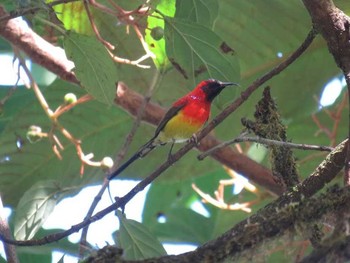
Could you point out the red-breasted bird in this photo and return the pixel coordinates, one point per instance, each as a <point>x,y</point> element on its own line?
<point>186,117</point>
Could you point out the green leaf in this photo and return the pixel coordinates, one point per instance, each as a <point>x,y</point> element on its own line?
<point>74,17</point>
<point>10,108</point>
<point>93,66</point>
<point>257,152</point>
<point>184,225</point>
<point>199,53</point>
<point>137,241</point>
<point>34,207</point>
<point>35,257</point>
<point>201,12</point>
<point>158,46</point>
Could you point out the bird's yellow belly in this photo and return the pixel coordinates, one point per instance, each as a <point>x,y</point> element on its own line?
<point>179,129</point>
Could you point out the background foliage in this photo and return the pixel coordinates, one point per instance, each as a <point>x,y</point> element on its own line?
<point>260,34</point>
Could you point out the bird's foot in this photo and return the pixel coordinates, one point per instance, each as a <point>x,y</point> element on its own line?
<point>194,139</point>
<point>170,155</point>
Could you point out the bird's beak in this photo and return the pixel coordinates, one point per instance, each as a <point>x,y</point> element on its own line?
<point>225,84</point>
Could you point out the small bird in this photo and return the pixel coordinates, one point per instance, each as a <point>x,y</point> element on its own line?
<point>180,123</point>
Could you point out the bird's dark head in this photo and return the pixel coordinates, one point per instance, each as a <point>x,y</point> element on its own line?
<point>213,87</point>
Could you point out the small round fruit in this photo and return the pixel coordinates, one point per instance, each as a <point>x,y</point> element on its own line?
<point>70,98</point>
<point>157,33</point>
<point>107,162</point>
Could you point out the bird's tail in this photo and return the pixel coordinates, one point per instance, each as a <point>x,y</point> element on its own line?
<point>143,151</point>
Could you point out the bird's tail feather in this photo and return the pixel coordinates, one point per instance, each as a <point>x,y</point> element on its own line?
<point>143,151</point>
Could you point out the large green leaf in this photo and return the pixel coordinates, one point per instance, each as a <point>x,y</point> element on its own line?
<point>136,240</point>
<point>10,108</point>
<point>74,17</point>
<point>199,53</point>
<point>93,65</point>
<point>201,12</point>
<point>33,257</point>
<point>34,207</point>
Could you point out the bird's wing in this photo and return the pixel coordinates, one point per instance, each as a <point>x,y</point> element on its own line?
<point>169,115</point>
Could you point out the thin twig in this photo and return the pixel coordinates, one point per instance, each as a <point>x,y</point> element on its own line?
<point>221,203</point>
<point>64,108</point>
<point>335,116</point>
<point>10,250</point>
<point>131,62</point>
<point>266,142</point>
<point>94,27</point>
<point>34,85</point>
<point>102,7</point>
<point>347,160</point>
<point>149,53</point>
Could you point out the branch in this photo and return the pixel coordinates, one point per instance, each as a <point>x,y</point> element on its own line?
<point>334,25</point>
<point>336,251</point>
<point>267,142</point>
<point>271,221</point>
<point>10,250</point>
<point>39,50</point>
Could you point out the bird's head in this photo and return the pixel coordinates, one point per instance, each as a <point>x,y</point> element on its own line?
<point>213,87</point>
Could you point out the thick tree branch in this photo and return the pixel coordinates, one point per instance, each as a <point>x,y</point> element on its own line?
<point>334,25</point>
<point>38,49</point>
<point>10,250</point>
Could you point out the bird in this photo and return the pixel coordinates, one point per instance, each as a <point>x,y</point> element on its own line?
<point>180,123</point>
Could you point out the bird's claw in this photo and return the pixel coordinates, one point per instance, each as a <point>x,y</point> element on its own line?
<point>194,139</point>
